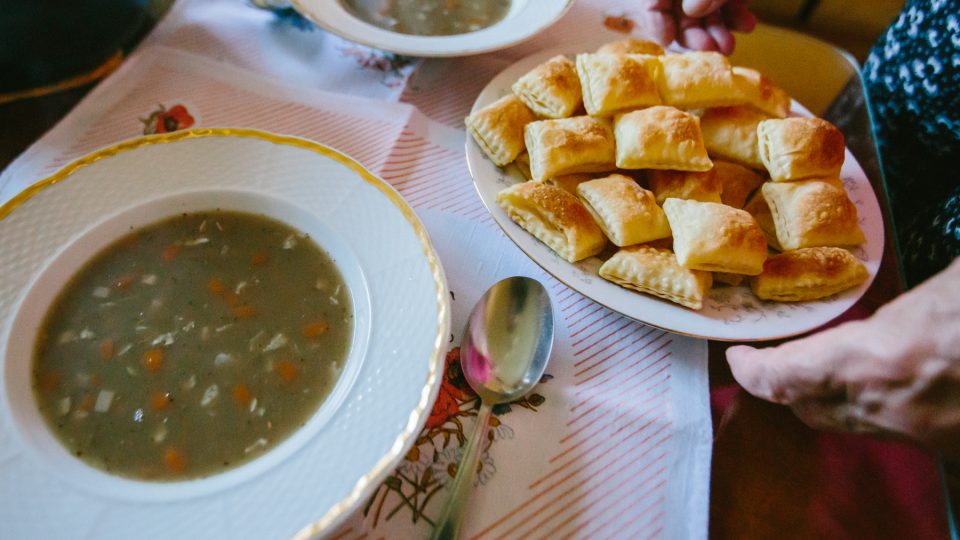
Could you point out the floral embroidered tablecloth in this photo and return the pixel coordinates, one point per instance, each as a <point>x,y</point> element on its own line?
<point>614,442</point>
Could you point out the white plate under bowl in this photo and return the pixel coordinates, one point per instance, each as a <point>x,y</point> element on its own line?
<point>309,482</point>
<point>729,313</point>
<point>525,19</point>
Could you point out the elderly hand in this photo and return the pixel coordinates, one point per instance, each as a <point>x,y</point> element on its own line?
<point>696,24</point>
<point>896,373</point>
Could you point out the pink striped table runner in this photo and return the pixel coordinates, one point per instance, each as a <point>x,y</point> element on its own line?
<point>615,442</point>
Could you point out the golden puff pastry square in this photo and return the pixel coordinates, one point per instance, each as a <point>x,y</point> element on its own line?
<point>761,93</point>
<point>730,133</point>
<point>758,208</point>
<point>808,274</point>
<point>581,144</point>
<point>569,182</point>
<point>737,182</point>
<point>555,217</point>
<point>798,148</point>
<point>656,271</point>
<point>697,186</point>
<point>715,237</point>
<point>631,46</point>
<point>812,213</point>
<point>498,128</point>
<point>660,138</point>
<point>698,80</point>
<point>615,83</point>
<point>627,213</point>
<point>552,89</point>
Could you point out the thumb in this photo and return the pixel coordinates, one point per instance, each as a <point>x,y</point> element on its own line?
<point>803,369</point>
<point>701,8</point>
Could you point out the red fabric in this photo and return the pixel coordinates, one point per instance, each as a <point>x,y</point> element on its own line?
<point>854,486</point>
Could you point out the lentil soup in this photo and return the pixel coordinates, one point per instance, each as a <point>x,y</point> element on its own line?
<point>192,345</point>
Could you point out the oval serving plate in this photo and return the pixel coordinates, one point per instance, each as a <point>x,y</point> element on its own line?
<point>729,313</point>
<point>524,20</point>
<point>307,483</point>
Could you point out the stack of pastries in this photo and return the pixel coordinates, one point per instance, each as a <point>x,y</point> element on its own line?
<point>689,166</point>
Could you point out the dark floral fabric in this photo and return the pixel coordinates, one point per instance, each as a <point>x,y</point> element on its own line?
<point>912,77</point>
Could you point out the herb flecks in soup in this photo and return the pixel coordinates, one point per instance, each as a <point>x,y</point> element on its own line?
<point>430,17</point>
<point>192,345</point>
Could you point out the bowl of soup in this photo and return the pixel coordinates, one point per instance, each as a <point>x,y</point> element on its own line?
<point>434,28</point>
<point>258,315</point>
<point>202,336</point>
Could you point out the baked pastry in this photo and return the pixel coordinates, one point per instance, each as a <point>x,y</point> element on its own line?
<point>656,271</point>
<point>812,213</point>
<point>570,145</point>
<point>698,80</point>
<point>808,274</point>
<point>631,46</point>
<point>726,278</point>
<point>615,83</point>
<point>730,133</point>
<point>798,148</point>
<point>554,217</point>
<point>715,237</point>
<point>627,213</point>
<point>697,186</point>
<point>758,208</point>
<point>737,182</point>
<point>760,92</point>
<point>569,182</point>
<point>660,138</point>
<point>552,89</point>
<point>498,128</point>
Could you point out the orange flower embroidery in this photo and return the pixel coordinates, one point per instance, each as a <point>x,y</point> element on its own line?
<point>165,120</point>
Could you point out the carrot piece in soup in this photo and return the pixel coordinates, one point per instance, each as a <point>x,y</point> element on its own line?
<point>125,281</point>
<point>287,370</point>
<point>244,311</point>
<point>315,329</point>
<point>153,360</point>
<point>87,403</point>
<point>258,258</point>
<point>170,252</point>
<point>241,395</point>
<point>159,401</point>
<point>107,348</point>
<point>174,460</point>
<point>215,286</point>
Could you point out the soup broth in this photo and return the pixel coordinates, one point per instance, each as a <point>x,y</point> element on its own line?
<point>430,17</point>
<point>192,345</point>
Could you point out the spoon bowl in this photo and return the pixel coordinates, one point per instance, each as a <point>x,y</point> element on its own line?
<point>508,340</point>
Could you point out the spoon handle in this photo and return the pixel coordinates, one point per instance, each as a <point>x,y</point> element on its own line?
<point>448,526</point>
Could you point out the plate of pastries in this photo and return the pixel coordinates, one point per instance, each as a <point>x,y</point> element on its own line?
<point>676,189</point>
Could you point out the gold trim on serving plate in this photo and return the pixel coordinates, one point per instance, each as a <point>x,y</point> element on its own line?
<point>418,416</point>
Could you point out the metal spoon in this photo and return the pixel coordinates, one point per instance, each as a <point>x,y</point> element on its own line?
<point>503,353</point>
